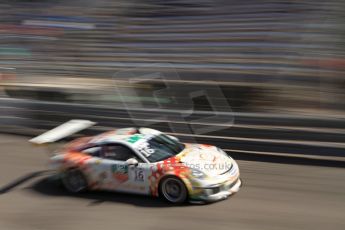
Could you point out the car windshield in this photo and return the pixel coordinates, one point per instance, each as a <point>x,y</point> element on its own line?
<point>161,147</point>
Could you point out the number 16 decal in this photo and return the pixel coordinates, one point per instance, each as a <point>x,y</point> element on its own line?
<point>139,175</point>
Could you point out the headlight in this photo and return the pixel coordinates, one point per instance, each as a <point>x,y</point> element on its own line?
<point>198,174</point>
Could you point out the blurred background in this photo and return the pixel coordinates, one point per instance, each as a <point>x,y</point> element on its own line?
<point>267,56</point>
<point>262,79</point>
<point>274,68</point>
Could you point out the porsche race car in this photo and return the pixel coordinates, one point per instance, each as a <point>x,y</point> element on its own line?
<point>142,161</point>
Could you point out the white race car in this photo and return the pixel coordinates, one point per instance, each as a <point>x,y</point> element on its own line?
<point>143,161</point>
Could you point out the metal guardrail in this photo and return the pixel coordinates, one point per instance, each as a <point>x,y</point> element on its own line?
<point>251,133</point>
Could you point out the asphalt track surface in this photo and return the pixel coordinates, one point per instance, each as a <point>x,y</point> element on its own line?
<point>274,196</point>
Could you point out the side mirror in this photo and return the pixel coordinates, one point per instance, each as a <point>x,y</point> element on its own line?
<point>132,161</point>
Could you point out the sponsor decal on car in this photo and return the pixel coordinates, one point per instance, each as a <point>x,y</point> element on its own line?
<point>120,172</point>
<point>145,149</point>
<point>134,138</point>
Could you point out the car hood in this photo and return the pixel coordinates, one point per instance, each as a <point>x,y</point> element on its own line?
<point>206,158</point>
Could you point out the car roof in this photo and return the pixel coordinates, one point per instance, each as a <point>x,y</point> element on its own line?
<point>129,135</point>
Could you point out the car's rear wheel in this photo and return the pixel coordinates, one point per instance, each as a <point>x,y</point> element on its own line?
<point>74,181</point>
<point>173,190</point>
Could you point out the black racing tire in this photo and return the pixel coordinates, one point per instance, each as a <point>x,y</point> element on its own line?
<point>74,181</point>
<point>173,190</point>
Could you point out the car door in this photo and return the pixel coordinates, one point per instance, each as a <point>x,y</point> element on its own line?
<point>120,175</point>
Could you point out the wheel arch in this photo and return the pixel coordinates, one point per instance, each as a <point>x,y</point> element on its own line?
<point>72,167</point>
<point>185,181</point>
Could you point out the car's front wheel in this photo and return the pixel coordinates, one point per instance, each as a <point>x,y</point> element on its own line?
<point>74,181</point>
<point>173,190</point>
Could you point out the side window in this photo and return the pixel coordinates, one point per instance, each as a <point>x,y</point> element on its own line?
<point>118,152</point>
<point>93,151</point>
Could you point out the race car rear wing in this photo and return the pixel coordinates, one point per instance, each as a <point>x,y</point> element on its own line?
<point>62,131</point>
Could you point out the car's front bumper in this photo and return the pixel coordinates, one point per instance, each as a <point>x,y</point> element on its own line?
<point>217,192</point>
